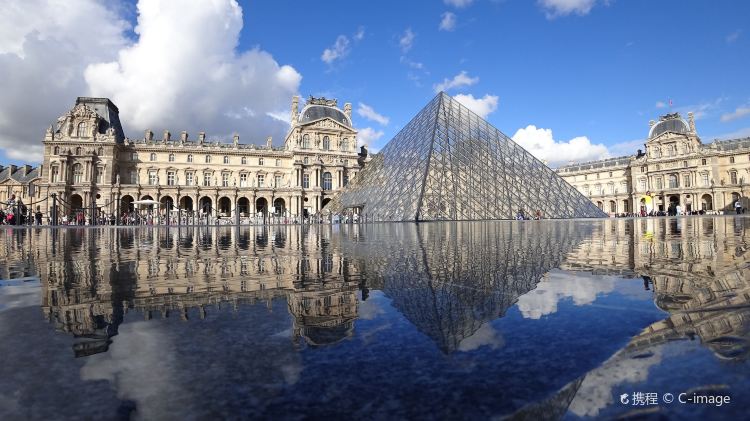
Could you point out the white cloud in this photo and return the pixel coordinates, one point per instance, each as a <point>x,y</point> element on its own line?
<point>195,80</point>
<point>458,3</point>
<point>44,48</point>
<point>733,36</point>
<point>368,136</point>
<point>448,21</point>
<point>557,8</point>
<point>486,335</point>
<point>540,143</point>
<point>458,81</point>
<point>369,113</point>
<point>738,113</point>
<point>481,106</point>
<point>557,286</point>
<point>337,51</point>
<point>660,104</point>
<point>407,40</point>
<point>360,34</point>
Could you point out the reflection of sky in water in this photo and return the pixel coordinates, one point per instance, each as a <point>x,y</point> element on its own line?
<point>388,321</point>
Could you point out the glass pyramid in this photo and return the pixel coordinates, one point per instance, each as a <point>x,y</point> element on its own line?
<point>448,163</point>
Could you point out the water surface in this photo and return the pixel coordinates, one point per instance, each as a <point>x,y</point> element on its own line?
<point>431,321</point>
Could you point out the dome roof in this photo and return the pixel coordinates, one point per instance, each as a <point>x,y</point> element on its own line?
<point>669,123</point>
<point>316,112</point>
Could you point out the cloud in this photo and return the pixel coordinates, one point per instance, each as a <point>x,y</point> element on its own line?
<point>557,8</point>
<point>413,64</point>
<point>360,34</point>
<point>458,81</point>
<point>559,285</point>
<point>738,113</point>
<point>703,109</point>
<point>733,36</point>
<point>407,40</point>
<point>484,336</point>
<point>368,136</point>
<point>660,104</point>
<point>458,3</point>
<point>337,51</point>
<point>369,113</point>
<point>194,80</point>
<point>482,106</point>
<point>540,143</point>
<point>45,46</point>
<point>448,22</point>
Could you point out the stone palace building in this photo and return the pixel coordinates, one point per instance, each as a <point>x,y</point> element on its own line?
<point>675,169</point>
<point>89,163</point>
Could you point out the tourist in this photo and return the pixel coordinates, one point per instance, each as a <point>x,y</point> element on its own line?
<point>38,215</point>
<point>738,207</point>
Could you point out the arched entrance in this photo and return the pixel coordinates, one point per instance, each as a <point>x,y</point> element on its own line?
<point>261,206</point>
<point>674,201</point>
<point>707,202</point>
<point>76,210</point>
<point>186,203</point>
<point>76,202</point>
<point>243,206</point>
<point>126,204</point>
<point>225,206</point>
<point>736,198</point>
<point>599,205</point>
<point>205,205</point>
<point>279,206</point>
<point>149,207</point>
<point>167,203</point>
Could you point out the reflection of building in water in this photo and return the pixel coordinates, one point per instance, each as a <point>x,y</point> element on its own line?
<point>91,278</point>
<point>450,279</point>
<point>697,267</point>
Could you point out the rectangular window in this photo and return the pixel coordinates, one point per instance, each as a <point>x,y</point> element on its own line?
<point>243,180</point>
<point>55,174</point>
<point>170,178</point>
<point>673,182</point>
<point>658,183</point>
<point>152,178</point>
<point>704,179</point>
<point>686,181</point>
<point>643,185</point>
<point>733,177</point>
<point>277,181</point>
<point>731,160</point>
<point>346,179</point>
<point>643,169</point>
<point>189,179</point>
<point>684,164</point>
<point>134,156</point>
<point>306,181</point>
<point>703,161</point>
<point>99,175</point>
<point>225,180</point>
<point>261,179</point>
<point>206,179</point>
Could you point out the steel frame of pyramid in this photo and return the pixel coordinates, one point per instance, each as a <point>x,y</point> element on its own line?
<point>448,163</point>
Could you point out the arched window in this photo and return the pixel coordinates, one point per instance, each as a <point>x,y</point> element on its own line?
<point>81,132</point>
<point>99,175</point>
<point>733,177</point>
<point>77,174</point>
<point>305,160</point>
<point>208,159</point>
<point>190,158</point>
<point>345,145</point>
<point>244,160</point>
<point>327,181</point>
<point>152,157</point>
<point>226,159</point>
<point>326,143</point>
<point>57,150</point>
<point>673,181</point>
<point>306,142</point>
<point>78,151</point>
<point>278,162</point>
<point>171,157</point>
<point>100,151</point>
<point>260,161</point>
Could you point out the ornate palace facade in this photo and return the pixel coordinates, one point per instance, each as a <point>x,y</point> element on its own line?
<point>89,163</point>
<point>676,169</point>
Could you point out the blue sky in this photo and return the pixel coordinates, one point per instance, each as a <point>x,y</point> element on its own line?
<point>587,75</point>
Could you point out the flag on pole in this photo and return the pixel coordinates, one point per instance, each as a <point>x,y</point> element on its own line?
<point>670,102</point>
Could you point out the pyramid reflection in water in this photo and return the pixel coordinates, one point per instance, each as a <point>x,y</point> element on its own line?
<point>450,164</point>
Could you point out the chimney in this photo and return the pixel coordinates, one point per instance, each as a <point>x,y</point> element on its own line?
<point>348,110</point>
<point>201,137</point>
<point>167,136</point>
<point>236,139</point>
<point>295,108</point>
<point>149,135</point>
<point>183,136</point>
<point>26,170</point>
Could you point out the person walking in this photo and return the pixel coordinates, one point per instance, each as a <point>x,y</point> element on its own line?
<point>738,207</point>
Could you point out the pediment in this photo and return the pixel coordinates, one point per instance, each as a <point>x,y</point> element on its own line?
<point>327,123</point>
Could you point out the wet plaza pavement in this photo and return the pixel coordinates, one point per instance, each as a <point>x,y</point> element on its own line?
<point>471,320</point>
